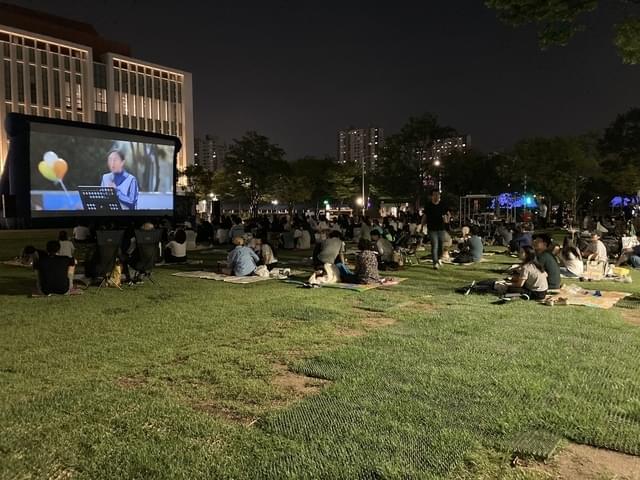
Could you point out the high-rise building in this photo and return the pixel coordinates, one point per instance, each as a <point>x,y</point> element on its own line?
<point>59,68</point>
<point>210,153</point>
<point>358,145</point>
<point>442,147</point>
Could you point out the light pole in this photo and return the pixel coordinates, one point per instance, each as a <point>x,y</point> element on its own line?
<point>364,199</point>
<point>438,163</point>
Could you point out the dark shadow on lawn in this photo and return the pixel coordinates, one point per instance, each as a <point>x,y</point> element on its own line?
<point>20,286</point>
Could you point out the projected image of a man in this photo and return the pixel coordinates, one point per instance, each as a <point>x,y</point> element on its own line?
<point>126,185</point>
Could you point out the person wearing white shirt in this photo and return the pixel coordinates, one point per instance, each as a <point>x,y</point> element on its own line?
<point>66,247</point>
<point>596,248</point>
<point>81,233</point>
<point>176,249</point>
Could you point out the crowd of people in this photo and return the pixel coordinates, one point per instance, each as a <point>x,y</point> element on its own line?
<point>382,244</point>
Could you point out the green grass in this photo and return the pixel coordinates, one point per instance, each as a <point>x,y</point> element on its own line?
<point>176,380</point>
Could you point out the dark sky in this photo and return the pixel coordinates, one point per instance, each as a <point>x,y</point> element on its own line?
<point>298,73</point>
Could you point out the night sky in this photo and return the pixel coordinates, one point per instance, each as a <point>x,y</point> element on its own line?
<point>298,73</point>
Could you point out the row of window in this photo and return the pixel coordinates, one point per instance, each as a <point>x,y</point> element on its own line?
<point>43,111</point>
<point>149,71</point>
<point>40,92</point>
<point>152,87</point>
<point>30,43</point>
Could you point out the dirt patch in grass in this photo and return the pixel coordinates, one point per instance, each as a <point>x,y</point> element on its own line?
<point>224,413</point>
<point>296,384</point>
<point>349,332</point>
<point>588,463</point>
<point>378,322</point>
<point>131,382</point>
<point>632,317</point>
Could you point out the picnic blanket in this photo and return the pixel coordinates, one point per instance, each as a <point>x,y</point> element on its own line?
<point>574,295</point>
<point>229,278</point>
<point>219,276</point>
<point>356,287</point>
<point>17,263</point>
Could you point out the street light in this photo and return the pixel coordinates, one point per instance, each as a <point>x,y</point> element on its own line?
<point>360,201</point>
<point>438,163</point>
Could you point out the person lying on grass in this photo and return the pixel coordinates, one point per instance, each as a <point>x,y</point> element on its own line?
<point>242,261</point>
<point>530,278</point>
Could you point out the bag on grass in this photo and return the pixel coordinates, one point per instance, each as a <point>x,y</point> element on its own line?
<point>595,269</point>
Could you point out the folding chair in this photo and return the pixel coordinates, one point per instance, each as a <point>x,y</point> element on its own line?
<point>108,245</point>
<point>147,245</point>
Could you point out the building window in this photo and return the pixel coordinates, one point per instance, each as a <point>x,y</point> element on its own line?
<point>21,82</point>
<point>67,90</point>
<point>32,84</point>
<point>125,105</point>
<point>101,100</point>
<point>99,75</point>
<point>56,89</point>
<point>44,75</point>
<point>7,80</point>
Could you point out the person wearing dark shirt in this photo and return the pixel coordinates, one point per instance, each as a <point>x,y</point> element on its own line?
<point>436,216</point>
<point>520,239</point>
<point>55,272</point>
<point>545,258</point>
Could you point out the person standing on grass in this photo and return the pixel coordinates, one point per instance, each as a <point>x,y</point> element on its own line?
<point>436,216</point>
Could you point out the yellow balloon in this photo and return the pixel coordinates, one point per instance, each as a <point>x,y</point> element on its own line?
<point>60,168</point>
<point>46,171</point>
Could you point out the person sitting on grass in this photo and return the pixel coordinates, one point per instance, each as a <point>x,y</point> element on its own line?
<point>596,248</point>
<point>630,256</point>
<point>176,249</point>
<point>383,247</point>
<point>541,245</point>
<point>242,261</point>
<point>571,260</point>
<point>530,278</point>
<point>366,271</point>
<point>54,272</point>
<point>237,230</point>
<point>521,238</point>
<point>330,250</point>
<point>471,249</point>
<point>265,252</point>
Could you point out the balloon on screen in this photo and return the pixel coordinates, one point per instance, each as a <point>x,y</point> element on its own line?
<point>50,157</point>
<point>46,171</point>
<point>60,168</point>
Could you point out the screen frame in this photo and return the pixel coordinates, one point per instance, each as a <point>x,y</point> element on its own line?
<point>21,125</point>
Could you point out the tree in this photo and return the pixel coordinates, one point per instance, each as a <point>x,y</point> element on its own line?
<point>472,172</point>
<point>563,168</point>
<point>345,182</point>
<point>316,171</point>
<point>252,162</point>
<point>620,149</point>
<point>202,182</point>
<point>559,20</point>
<point>403,168</point>
<point>290,189</point>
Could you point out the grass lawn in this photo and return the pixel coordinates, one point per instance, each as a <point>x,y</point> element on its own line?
<point>197,379</point>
